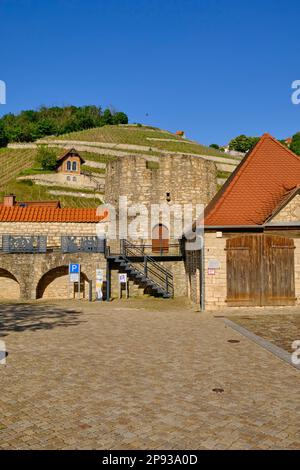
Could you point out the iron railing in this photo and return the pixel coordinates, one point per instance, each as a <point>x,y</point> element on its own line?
<point>38,244</point>
<point>172,249</point>
<point>87,244</point>
<point>149,267</point>
<point>24,244</point>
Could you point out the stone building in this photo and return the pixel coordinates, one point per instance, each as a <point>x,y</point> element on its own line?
<point>154,263</point>
<point>165,180</point>
<point>70,172</point>
<point>251,253</point>
<point>37,244</point>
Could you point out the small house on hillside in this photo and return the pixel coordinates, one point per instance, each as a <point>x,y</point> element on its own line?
<point>180,134</point>
<point>70,163</point>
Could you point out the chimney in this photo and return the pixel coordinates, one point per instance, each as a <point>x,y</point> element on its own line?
<point>9,200</point>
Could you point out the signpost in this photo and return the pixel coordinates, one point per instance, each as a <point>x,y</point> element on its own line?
<point>123,281</point>
<point>74,275</point>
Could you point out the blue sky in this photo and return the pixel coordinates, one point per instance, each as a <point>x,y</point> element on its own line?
<point>214,68</point>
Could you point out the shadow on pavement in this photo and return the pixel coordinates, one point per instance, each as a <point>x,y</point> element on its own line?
<point>24,317</point>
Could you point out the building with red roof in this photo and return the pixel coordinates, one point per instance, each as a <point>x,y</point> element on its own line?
<point>251,253</point>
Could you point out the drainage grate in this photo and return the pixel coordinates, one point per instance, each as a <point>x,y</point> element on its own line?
<point>218,390</point>
<point>233,341</point>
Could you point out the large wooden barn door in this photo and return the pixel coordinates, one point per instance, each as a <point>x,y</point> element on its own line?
<point>243,254</point>
<point>278,286</point>
<point>260,270</point>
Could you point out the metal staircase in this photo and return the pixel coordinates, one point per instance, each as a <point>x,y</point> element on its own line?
<point>143,269</point>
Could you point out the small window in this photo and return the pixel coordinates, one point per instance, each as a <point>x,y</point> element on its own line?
<point>74,178</point>
<point>68,165</point>
<point>68,178</point>
<point>150,165</point>
<point>74,166</point>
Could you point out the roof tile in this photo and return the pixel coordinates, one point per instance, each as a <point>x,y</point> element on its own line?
<point>257,186</point>
<point>49,214</point>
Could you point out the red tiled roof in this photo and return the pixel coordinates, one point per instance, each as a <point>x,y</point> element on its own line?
<point>259,184</point>
<point>49,214</point>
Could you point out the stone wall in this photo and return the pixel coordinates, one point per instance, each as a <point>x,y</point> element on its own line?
<point>79,181</point>
<point>215,289</point>
<point>46,275</point>
<point>9,289</point>
<point>290,212</point>
<point>187,179</point>
<point>215,285</point>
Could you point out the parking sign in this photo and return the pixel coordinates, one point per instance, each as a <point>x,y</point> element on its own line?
<point>74,272</point>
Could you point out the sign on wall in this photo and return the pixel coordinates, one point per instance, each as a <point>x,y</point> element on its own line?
<point>122,278</point>
<point>214,264</point>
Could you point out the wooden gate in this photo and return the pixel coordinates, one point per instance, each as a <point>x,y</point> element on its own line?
<point>260,270</point>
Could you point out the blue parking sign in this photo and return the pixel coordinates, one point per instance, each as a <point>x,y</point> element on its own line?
<point>74,268</point>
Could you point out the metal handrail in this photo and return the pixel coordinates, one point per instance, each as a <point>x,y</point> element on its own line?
<point>161,276</point>
<point>126,245</point>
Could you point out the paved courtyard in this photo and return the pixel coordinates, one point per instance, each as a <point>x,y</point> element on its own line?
<point>278,328</point>
<point>139,374</point>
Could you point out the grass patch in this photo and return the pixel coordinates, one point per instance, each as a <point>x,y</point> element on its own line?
<point>223,174</point>
<point>100,171</point>
<point>34,171</point>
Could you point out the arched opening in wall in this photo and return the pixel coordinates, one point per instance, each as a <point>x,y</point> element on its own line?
<point>9,285</point>
<point>160,239</point>
<point>55,285</point>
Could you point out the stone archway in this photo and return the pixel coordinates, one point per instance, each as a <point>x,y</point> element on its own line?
<point>55,284</point>
<point>9,285</point>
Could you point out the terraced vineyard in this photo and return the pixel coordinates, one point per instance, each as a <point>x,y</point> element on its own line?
<point>12,162</point>
<point>139,135</point>
<point>98,145</point>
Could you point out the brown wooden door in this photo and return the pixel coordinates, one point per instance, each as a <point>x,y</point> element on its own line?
<point>243,255</point>
<point>260,270</point>
<point>278,282</point>
<point>160,239</point>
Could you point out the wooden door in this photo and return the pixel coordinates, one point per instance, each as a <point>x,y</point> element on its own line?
<point>160,239</point>
<point>278,282</point>
<point>243,259</point>
<point>260,270</point>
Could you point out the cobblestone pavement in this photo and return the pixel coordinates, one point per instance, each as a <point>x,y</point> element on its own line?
<point>139,374</point>
<point>278,328</point>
